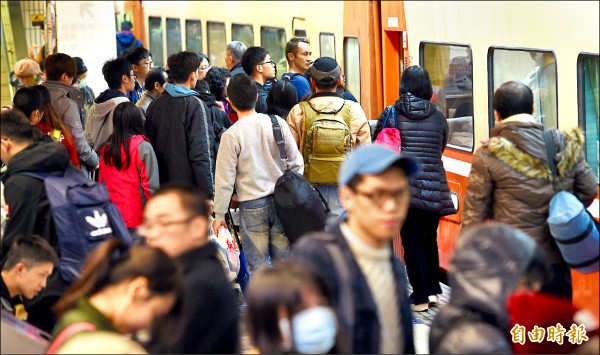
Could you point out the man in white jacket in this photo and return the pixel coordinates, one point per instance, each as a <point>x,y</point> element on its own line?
<point>120,78</point>
<point>249,160</point>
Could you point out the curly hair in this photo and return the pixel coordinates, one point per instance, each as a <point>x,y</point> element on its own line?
<point>217,79</point>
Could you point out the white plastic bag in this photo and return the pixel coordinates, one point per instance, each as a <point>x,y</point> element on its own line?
<point>226,240</point>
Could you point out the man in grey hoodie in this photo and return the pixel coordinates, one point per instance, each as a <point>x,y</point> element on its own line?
<point>120,78</point>
<point>68,100</point>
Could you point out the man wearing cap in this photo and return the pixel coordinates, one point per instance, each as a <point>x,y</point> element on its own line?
<point>325,77</point>
<point>368,283</point>
<point>27,72</point>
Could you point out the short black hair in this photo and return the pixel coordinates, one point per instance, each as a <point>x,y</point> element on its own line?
<point>253,57</point>
<point>27,100</point>
<point>182,64</point>
<point>282,97</point>
<point>113,71</point>
<point>14,125</point>
<point>193,200</point>
<point>217,79</point>
<point>135,54</point>
<point>242,92</point>
<point>513,98</point>
<point>30,250</point>
<point>156,75</point>
<point>202,87</point>
<point>415,80</point>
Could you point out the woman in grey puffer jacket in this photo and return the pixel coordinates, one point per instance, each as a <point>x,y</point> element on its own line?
<point>424,132</point>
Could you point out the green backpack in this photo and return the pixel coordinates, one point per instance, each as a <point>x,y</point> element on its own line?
<point>327,142</point>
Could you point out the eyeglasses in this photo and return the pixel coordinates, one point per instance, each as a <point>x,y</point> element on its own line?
<point>204,67</point>
<point>133,76</point>
<point>380,197</point>
<point>269,62</point>
<point>148,64</point>
<point>163,224</point>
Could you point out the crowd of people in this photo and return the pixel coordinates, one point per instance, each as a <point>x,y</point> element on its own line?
<point>175,145</point>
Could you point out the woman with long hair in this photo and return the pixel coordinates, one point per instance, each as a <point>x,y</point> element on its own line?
<point>128,165</point>
<point>53,125</point>
<point>424,132</point>
<point>122,291</point>
<point>282,97</point>
<point>290,311</point>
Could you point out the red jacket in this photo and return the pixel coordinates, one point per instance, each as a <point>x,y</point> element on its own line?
<point>129,188</point>
<point>66,139</point>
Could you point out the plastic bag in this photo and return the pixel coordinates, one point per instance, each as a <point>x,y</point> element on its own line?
<point>226,240</point>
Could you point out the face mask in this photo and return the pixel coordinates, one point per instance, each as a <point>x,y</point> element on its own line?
<point>314,330</point>
<point>82,83</point>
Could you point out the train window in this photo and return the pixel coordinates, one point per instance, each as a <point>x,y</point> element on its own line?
<point>588,66</point>
<point>243,33</point>
<point>173,36</point>
<point>327,44</point>
<point>536,69</point>
<point>352,65</point>
<point>216,43</point>
<point>299,33</point>
<point>273,39</point>
<point>193,35</point>
<point>156,40</point>
<point>450,68</point>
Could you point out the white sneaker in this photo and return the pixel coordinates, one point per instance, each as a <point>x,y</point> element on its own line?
<point>434,299</point>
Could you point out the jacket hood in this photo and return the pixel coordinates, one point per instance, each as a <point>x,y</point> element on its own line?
<point>177,90</point>
<point>125,37</point>
<point>414,107</point>
<point>108,94</point>
<point>208,98</point>
<point>510,149</point>
<point>58,90</point>
<point>39,157</point>
<point>486,268</point>
<point>103,106</point>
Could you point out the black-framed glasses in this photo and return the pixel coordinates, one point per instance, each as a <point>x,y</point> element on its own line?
<point>133,76</point>
<point>380,197</point>
<point>269,62</point>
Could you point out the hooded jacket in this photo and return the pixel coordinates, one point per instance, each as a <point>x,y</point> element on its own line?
<point>510,180</point>
<point>483,274</point>
<point>424,132</point>
<point>126,40</point>
<point>99,125</point>
<point>179,128</point>
<point>68,101</point>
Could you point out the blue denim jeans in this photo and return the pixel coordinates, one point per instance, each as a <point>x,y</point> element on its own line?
<point>332,196</point>
<point>262,233</point>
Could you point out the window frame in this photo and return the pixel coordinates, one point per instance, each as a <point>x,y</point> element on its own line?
<point>581,121</point>
<point>422,64</point>
<point>262,28</point>
<point>490,70</point>
<point>299,34</point>
<point>243,24</point>
<point>160,50</point>
<point>208,48</point>
<point>201,34</point>
<point>321,42</point>
<point>167,34</point>
<point>344,46</point>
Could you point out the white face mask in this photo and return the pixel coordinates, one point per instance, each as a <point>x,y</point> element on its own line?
<point>314,330</point>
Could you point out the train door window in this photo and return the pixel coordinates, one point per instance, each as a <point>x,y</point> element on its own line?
<point>299,32</point>
<point>173,36</point>
<point>352,65</point>
<point>193,35</point>
<point>243,33</point>
<point>588,67</point>
<point>156,40</point>
<point>327,44</point>
<point>273,39</point>
<point>534,68</point>
<point>216,43</point>
<point>450,68</point>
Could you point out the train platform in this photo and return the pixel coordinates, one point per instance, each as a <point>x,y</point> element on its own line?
<point>421,325</point>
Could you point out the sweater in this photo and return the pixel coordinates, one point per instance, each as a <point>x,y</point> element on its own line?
<point>249,158</point>
<point>376,265</point>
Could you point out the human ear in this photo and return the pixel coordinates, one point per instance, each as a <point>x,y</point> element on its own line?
<point>137,289</point>
<point>346,197</point>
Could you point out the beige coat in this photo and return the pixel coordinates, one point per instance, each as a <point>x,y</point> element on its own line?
<point>511,182</point>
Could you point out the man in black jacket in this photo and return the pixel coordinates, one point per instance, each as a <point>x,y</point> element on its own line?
<point>368,283</point>
<point>27,200</point>
<point>179,127</point>
<point>176,221</point>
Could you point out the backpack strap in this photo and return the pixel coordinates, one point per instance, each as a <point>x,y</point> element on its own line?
<point>345,283</point>
<point>279,140</point>
<point>68,332</point>
<point>392,109</point>
<point>323,111</point>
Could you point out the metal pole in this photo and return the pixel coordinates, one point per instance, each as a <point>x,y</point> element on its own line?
<point>6,61</point>
<point>50,27</point>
